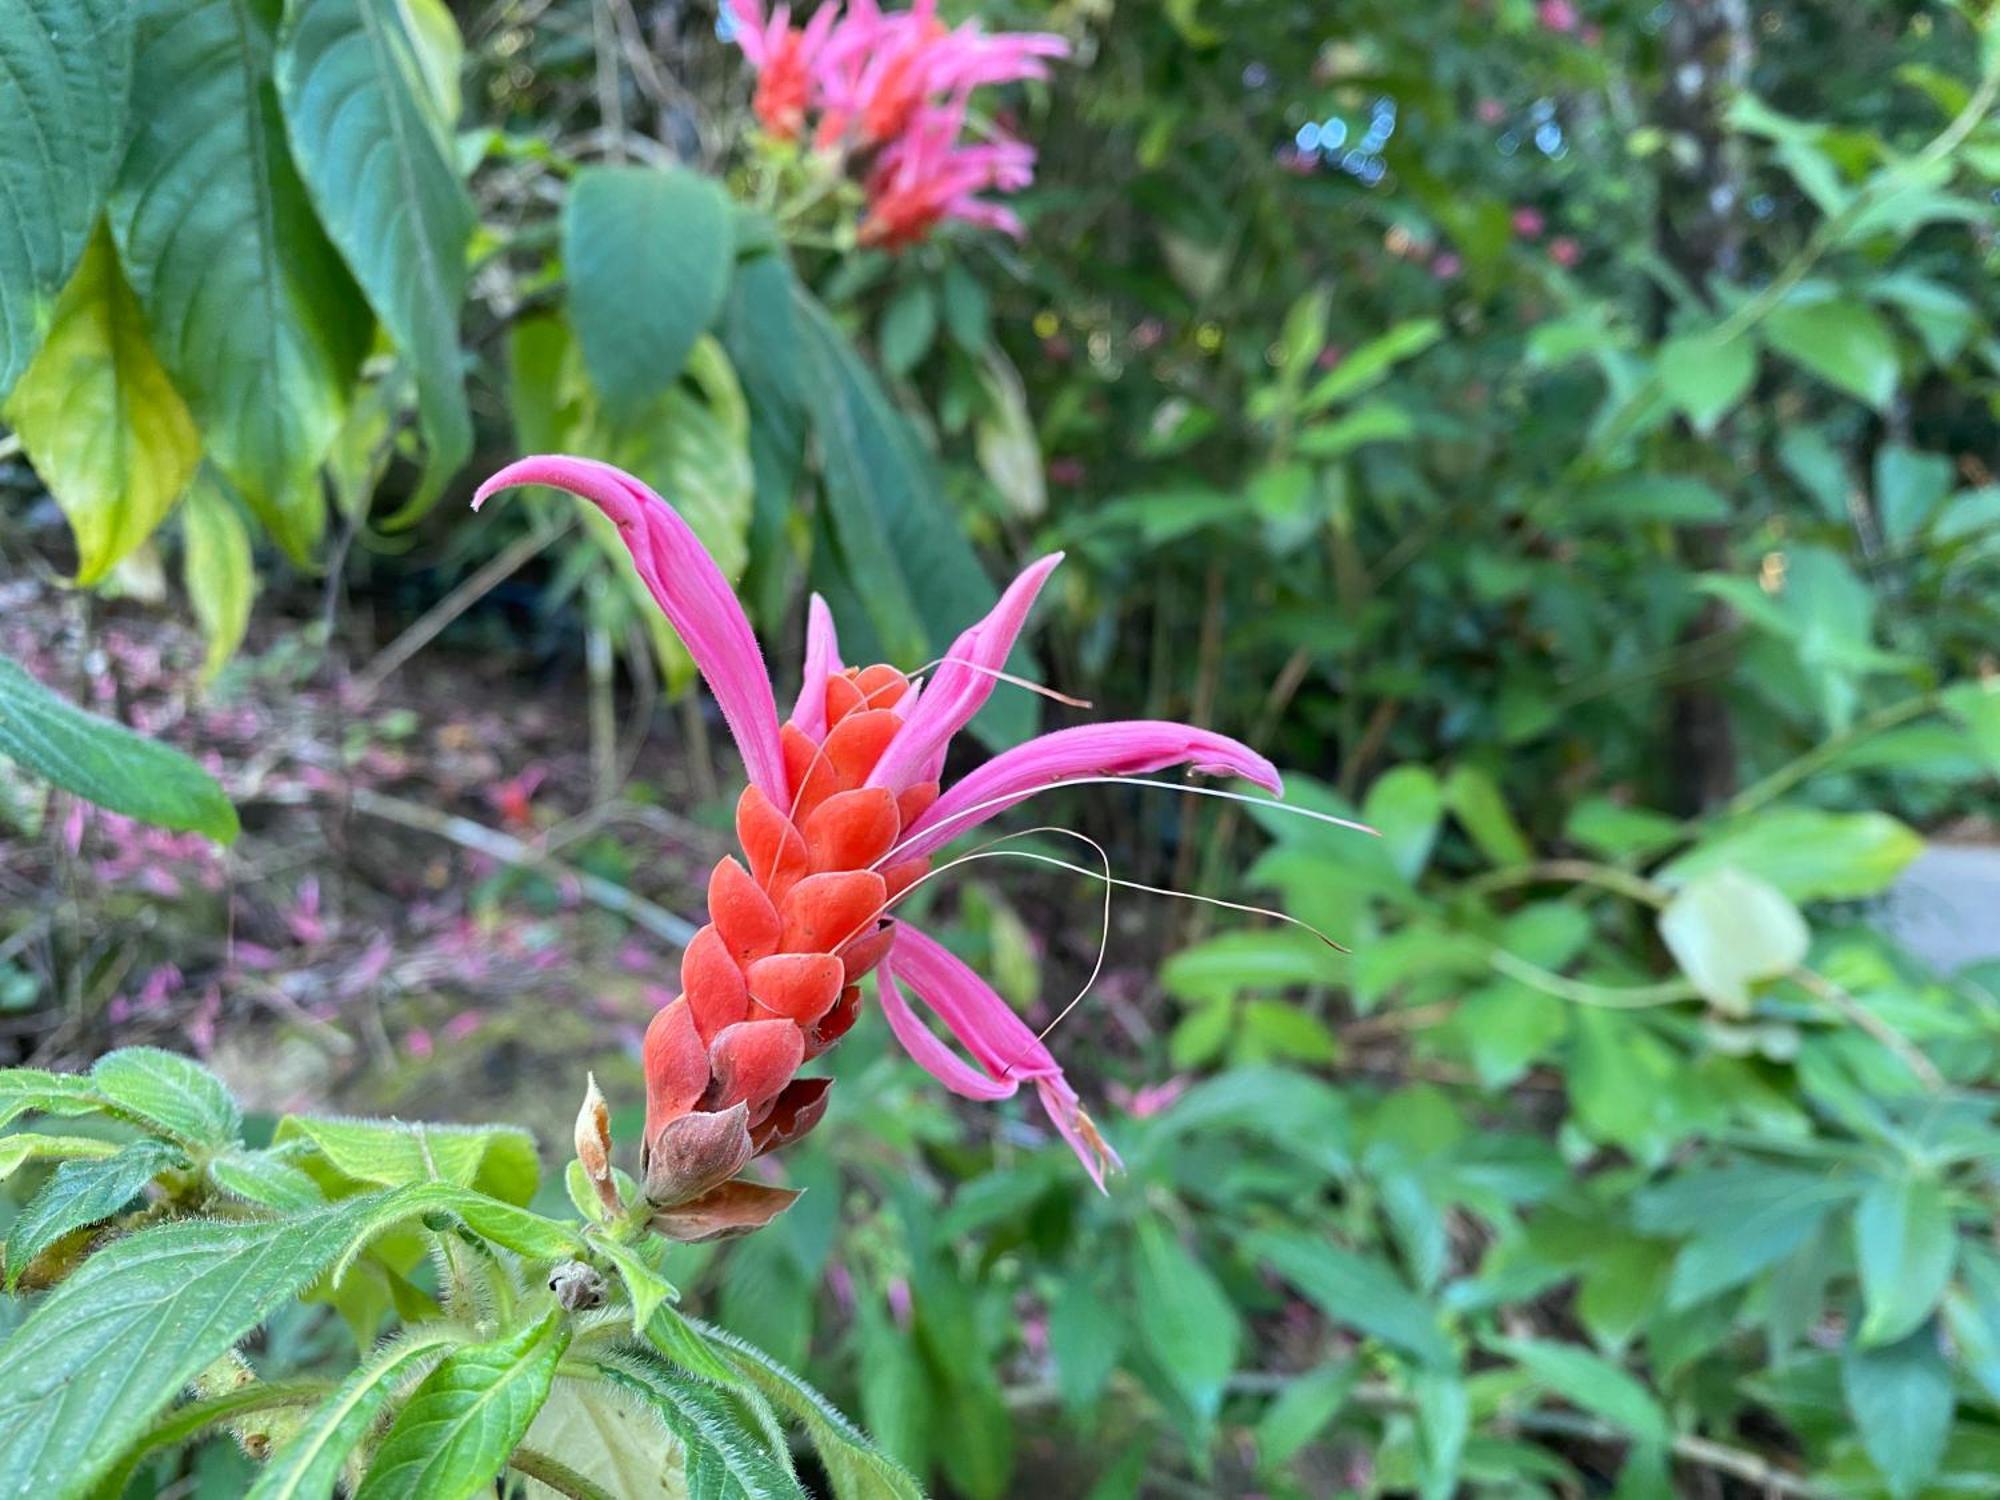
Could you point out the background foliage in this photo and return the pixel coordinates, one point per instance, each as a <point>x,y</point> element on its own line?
<point>1559,434</point>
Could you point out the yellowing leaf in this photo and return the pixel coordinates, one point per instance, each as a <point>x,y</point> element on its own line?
<point>217,567</point>
<point>103,425</point>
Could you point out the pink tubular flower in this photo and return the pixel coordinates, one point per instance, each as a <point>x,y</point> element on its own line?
<point>890,90</point>
<point>841,817</point>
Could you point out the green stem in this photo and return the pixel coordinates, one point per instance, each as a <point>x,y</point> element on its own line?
<point>557,1475</point>
<point>1582,992</point>
<point>1573,871</point>
<point>1782,780</point>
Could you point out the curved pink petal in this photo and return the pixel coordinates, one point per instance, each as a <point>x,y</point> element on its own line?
<point>962,683</point>
<point>931,1054</point>
<point>822,661</point>
<point>1006,1049</point>
<point>691,592</point>
<point>1131,747</point>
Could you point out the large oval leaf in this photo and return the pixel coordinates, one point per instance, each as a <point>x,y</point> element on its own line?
<point>107,431</point>
<point>369,147</point>
<point>247,303</point>
<point>648,255</point>
<point>904,552</point>
<point>68,66</point>
<point>106,763</point>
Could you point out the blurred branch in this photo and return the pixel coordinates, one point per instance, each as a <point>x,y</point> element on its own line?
<point>509,850</point>
<point>432,623</point>
<point>1828,751</point>
<point>1854,1012</point>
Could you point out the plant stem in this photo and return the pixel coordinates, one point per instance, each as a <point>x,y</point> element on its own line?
<point>558,1476</point>
<point>1826,752</point>
<point>1853,1011</point>
<point>509,850</point>
<point>1574,871</point>
<point>433,621</point>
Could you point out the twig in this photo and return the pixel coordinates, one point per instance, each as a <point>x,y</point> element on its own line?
<point>1850,1009</point>
<point>434,620</point>
<point>509,850</point>
<point>1827,752</point>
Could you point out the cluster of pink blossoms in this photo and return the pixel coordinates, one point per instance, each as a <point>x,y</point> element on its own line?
<point>889,91</point>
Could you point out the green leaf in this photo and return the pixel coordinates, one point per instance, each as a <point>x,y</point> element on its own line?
<point>1367,366</point>
<point>80,1193</point>
<point>454,1433</point>
<point>217,569</point>
<point>1909,488</point>
<point>1846,344</point>
<point>1596,1384</point>
<point>1901,1400</point>
<point>1705,377</point>
<point>909,328</point>
<point>904,551</point>
<point>857,1469</point>
<point>1302,1410</point>
<point>1184,1316</point>
<point>1371,422</point>
<point>1405,806</point>
<point>758,330</point>
<point>648,1290</point>
<point>1252,960</point>
<point>1474,798</point>
<point>309,1466</point>
<point>25,1090</point>
<point>1004,438</point>
<point>1807,854</point>
<point>68,64</point>
<point>1728,930</point>
<point>25,1146</point>
<point>367,144</point>
<point>100,420</point>
<point>262,1177</point>
<point>106,763</point>
<point>968,309</point>
<point>250,308</point>
<point>724,1457</point>
<point>647,252</point>
<point>1357,1291</point>
<point>498,1160</point>
<point>1905,1244</point>
<point>182,1295</point>
<point>175,1094</point>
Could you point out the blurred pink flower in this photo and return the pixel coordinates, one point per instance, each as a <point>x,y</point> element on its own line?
<point>1565,251</point>
<point>1447,266</point>
<point>1491,111</point>
<point>1528,223</point>
<point>1156,1098</point>
<point>1066,471</point>
<point>890,90</point>
<point>417,1042</point>
<point>1557,15</point>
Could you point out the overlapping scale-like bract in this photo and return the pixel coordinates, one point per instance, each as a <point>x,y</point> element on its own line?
<point>773,979</point>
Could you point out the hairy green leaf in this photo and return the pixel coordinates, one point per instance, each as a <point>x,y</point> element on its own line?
<point>110,1347</point>
<point>455,1431</point>
<point>725,1459</point>
<point>175,1094</point>
<point>309,1466</point>
<point>80,1193</point>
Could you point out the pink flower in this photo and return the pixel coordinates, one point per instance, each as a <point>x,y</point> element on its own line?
<point>1491,111</point>
<point>1528,223</point>
<point>842,815</point>
<point>1447,266</point>
<point>1565,251</point>
<point>1557,15</point>
<point>890,91</point>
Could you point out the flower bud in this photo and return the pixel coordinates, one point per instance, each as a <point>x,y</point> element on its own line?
<point>593,1144</point>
